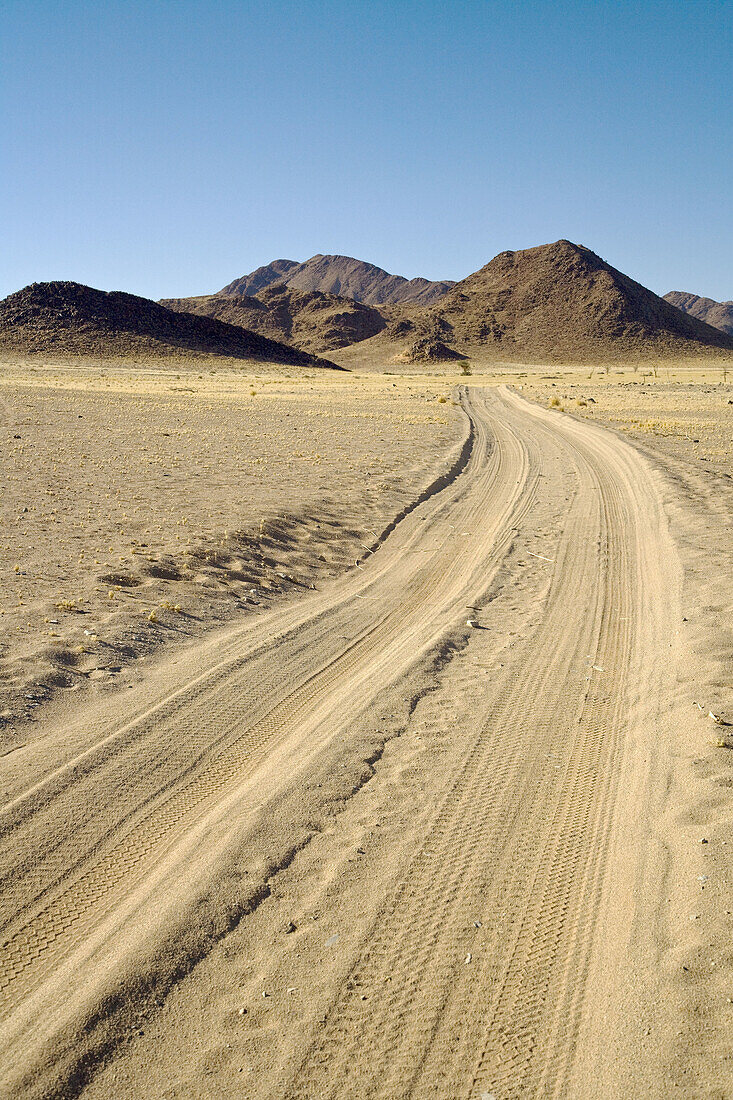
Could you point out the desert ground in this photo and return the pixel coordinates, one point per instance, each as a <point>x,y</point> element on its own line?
<point>187,497</point>
<point>365,735</point>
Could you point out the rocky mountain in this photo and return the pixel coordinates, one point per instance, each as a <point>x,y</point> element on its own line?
<point>561,302</point>
<point>261,277</point>
<point>717,314</point>
<point>308,320</point>
<point>344,277</point>
<point>65,318</point>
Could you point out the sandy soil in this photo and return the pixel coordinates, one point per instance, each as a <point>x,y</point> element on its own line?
<point>140,507</point>
<point>453,824</point>
<point>683,414</point>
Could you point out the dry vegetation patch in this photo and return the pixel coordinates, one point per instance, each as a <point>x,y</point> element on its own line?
<point>682,412</point>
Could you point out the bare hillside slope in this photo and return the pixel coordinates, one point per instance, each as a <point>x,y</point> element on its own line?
<point>717,314</point>
<point>557,302</point>
<point>343,276</point>
<point>67,318</point>
<point>308,320</point>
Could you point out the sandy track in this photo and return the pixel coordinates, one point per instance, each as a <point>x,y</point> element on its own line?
<point>137,840</point>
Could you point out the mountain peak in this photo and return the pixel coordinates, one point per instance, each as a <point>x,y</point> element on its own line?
<point>345,277</point>
<point>562,301</point>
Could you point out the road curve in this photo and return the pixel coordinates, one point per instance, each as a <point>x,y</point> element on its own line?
<point>124,836</point>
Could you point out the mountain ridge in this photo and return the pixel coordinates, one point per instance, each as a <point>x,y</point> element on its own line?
<point>717,314</point>
<point>344,277</point>
<point>308,320</point>
<point>260,278</point>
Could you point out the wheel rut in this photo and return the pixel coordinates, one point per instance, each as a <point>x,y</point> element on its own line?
<point>92,830</point>
<point>472,973</point>
<point>520,853</point>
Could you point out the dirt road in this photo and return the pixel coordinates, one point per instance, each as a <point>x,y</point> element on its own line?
<point>362,847</point>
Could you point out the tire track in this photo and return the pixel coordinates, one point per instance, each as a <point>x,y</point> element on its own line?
<point>171,767</point>
<point>518,852</point>
<point>472,975</point>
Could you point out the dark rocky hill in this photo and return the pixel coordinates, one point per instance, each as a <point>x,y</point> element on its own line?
<point>66,318</point>
<point>308,320</point>
<point>562,301</point>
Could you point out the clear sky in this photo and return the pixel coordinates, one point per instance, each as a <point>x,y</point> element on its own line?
<point>166,147</point>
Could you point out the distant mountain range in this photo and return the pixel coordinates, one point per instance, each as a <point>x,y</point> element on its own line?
<point>558,302</point>
<point>342,276</point>
<point>718,314</point>
<point>66,318</point>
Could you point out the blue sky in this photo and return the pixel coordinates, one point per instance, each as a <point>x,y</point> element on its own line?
<point>167,147</point>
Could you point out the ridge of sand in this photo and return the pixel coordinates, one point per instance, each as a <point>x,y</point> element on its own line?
<point>141,508</point>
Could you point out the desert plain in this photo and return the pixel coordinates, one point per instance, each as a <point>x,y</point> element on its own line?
<point>365,734</point>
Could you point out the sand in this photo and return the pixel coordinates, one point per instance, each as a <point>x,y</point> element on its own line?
<point>187,497</point>
<point>451,824</point>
